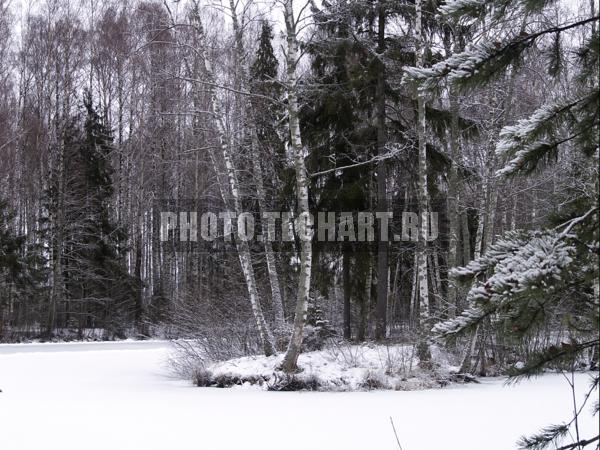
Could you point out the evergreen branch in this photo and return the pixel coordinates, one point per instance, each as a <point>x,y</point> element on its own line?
<point>544,438</point>
<point>528,129</point>
<point>476,8</point>
<point>540,360</point>
<point>522,266</point>
<point>459,8</point>
<point>528,158</point>
<point>482,61</point>
<point>525,141</point>
<point>553,433</point>
<point>468,320</point>
<point>502,249</point>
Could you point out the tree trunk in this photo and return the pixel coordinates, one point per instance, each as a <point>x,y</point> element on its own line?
<point>466,362</point>
<point>57,292</point>
<point>269,254</point>
<point>424,306</point>
<point>257,169</point>
<point>139,299</point>
<point>466,237</point>
<point>365,302</point>
<point>452,203</point>
<point>414,293</point>
<point>436,283</point>
<point>382,246</point>
<point>480,223</point>
<point>243,248</point>
<point>290,360</point>
<point>347,288</point>
<point>488,235</point>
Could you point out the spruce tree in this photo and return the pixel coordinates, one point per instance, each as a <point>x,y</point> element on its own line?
<point>362,136</point>
<point>339,132</point>
<point>22,277</point>
<point>106,240</point>
<point>267,90</point>
<point>95,288</point>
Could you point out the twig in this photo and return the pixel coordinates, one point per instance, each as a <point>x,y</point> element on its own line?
<point>395,434</point>
<point>580,443</point>
<point>571,223</point>
<point>391,154</point>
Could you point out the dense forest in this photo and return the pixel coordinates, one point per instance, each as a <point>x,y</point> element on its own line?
<point>484,112</point>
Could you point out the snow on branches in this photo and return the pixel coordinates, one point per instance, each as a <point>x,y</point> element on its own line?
<point>521,141</point>
<point>534,137</point>
<point>521,268</point>
<point>477,8</point>
<point>475,66</point>
<point>457,8</point>
<point>490,57</point>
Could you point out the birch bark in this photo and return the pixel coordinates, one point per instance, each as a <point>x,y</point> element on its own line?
<point>423,196</point>
<point>290,360</point>
<point>257,169</point>
<point>243,248</point>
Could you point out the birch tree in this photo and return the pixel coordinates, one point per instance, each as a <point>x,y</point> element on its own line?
<point>423,193</point>
<point>225,148</point>
<point>249,113</point>
<point>290,360</point>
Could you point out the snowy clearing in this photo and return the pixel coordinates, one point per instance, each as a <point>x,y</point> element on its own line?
<point>121,396</point>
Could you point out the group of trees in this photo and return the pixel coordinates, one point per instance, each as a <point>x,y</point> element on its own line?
<point>484,111</point>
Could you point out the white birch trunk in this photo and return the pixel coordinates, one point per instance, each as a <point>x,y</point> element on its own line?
<point>513,214</point>
<point>269,254</point>
<point>414,294</point>
<point>242,246</point>
<point>424,306</point>
<point>290,360</point>
<point>257,170</point>
<point>393,307</point>
<point>477,251</point>
<point>436,278</point>
<point>488,235</point>
<point>422,177</point>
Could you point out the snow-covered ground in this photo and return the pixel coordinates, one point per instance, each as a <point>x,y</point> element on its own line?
<point>119,396</point>
<point>340,367</point>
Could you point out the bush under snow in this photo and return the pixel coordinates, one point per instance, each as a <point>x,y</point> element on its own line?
<point>338,367</point>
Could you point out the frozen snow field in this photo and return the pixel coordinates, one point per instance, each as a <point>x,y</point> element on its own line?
<point>120,396</point>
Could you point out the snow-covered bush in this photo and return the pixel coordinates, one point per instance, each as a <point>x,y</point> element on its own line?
<point>397,359</point>
<point>373,380</point>
<point>351,355</point>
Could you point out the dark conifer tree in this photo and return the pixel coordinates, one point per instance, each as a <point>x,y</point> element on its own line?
<point>23,275</point>
<point>96,288</point>
<point>339,130</point>
<point>269,111</point>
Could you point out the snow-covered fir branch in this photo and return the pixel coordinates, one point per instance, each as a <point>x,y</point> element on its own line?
<point>532,138</point>
<point>518,264</point>
<point>478,8</point>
